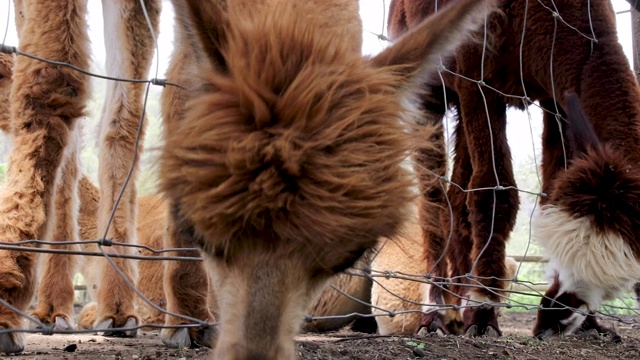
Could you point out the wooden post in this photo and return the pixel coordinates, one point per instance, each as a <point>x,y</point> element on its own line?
<point>635,30</point>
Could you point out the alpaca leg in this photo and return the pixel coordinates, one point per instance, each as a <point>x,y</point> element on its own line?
<point>186,286</point>
<point>55,291</point>
<point>456,219</point>
<point>152,230</point>
<point>130,47</point>
<point>492,212</point>
<point>45,102</point>
<point>430,164</point>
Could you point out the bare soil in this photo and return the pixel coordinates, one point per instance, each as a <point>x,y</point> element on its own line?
<point>515,344</point>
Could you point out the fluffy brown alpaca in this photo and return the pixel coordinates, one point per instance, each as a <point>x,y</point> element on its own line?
<point>43,172</point>
<point>597,71</point>
<point>152,212</point>
<point>284,159</point>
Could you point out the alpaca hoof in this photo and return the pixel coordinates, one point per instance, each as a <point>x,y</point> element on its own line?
<point>61,323</point>
<point>544,335</point>
<point>203,336</point>
<point>491,332</point>
<point>432,323</point>
<point>472,331</point>
<point>176,339</point>
<point>126,330</point>
<point>482,321</point>
<point>11,343</point>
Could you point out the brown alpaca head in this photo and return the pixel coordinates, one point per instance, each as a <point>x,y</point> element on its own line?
<point>6,71</point>
<point>286,163</point>
<point>588,228</point>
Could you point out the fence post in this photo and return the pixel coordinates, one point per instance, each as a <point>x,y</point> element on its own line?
<point>635,40</point>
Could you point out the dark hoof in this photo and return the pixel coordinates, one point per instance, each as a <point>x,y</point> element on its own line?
<point>481,321</point>
<point>432,323</point>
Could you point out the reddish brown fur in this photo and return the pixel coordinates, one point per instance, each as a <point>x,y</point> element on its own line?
<point>292,168</point>
<point>43,172</point>
<point>45,101</point>
<point>602,185</point>
<point>598,72</point>
<point>354,157</point>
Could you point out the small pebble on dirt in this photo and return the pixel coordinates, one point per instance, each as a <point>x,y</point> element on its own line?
<point>70,348</point>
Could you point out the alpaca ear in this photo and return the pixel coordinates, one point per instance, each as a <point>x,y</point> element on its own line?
<point>207,21</point>
<point>580,133</point>
<point>437,35</point>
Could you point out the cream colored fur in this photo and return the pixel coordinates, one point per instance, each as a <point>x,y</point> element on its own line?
<point>595,265</point>
<point>403,254</point>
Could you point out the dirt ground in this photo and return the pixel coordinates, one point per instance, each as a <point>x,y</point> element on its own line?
<point>516,344</point>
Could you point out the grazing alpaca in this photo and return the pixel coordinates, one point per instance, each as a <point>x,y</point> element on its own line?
<point>152,212</point>
<point>283,161</point>
<point>597,71</point>
<point>588,229</point>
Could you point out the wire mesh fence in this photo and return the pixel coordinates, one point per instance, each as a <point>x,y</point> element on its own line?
<point>524,290</point>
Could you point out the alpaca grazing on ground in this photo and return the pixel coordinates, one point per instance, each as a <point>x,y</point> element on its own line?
<point>540,57</point>
<point>283,161</point>
<point>152,227</point>
<point>588,229</point>
<point>320,166</point>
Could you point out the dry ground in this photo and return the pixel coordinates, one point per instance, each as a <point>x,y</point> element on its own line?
<point>516,344</point>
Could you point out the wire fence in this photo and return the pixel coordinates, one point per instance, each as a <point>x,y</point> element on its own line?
<point>525,289</point>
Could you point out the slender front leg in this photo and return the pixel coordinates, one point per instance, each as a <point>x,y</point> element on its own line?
<point>430,164</point>
<point>492,213</point>
<point>45,102</point>
<point>456,226</point>
<point>129,45</point>
<point>55,291</point>
<point>186,287</point>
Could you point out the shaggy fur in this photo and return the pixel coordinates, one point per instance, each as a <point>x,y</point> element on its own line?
<point>597,71</point>
<point>43,171</point>
<point>589,226</point>
<point>6,73</point>
<point>284,163</point>
<point>151,216</point>
<point>45,102</point>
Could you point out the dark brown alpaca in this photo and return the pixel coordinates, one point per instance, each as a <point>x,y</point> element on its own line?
<point>588,228</point>
<point>597,71</point>
<point>283,161</point>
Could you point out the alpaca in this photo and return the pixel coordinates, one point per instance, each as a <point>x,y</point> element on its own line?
<point>283,161</point>
<point>152,210</point>
<point>45,101</point>
<point>597,71</point>
<point>403,254</point>
<point>588,228</point>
